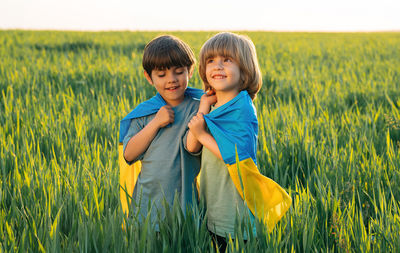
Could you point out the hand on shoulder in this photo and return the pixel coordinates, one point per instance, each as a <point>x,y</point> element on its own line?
<point>164,116</point>
<point>206,101</point>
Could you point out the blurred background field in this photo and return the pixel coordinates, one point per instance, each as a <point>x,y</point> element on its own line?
<point>329,133</point>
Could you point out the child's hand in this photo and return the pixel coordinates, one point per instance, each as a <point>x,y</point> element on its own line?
<point>164,116</point>
<point>197,125</point>
<point>207,100</point>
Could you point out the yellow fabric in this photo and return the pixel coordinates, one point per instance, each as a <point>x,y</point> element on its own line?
<point>264,197</point>
<point>128,175</point>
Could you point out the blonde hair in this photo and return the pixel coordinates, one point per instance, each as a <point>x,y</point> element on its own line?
<point>242,50</point>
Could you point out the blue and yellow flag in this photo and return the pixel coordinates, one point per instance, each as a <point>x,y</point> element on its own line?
<point>128,173</point>
<point>234,126</point>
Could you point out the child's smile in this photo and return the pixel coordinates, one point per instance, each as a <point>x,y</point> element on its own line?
<point>218,76</point>
<point>173,88</point>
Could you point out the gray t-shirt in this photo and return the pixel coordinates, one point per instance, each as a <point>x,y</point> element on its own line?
<point>168,169</point>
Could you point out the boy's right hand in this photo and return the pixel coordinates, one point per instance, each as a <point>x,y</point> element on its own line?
<point>164,116</point>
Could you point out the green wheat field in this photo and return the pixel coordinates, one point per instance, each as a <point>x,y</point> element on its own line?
<point>329,133</point>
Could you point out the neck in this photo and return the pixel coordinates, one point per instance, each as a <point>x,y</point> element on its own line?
<point>224,97</point>
<point>175,103</point>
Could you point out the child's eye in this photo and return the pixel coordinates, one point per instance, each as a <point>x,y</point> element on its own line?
<point>227,60</point>
<point>179,71</point>
<point>210,61</point>
<point>161,75</point>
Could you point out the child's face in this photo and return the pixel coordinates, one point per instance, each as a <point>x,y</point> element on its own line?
<point>170,83</point>
<point>223,73</point>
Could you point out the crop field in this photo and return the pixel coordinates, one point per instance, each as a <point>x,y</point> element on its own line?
<point>329,133</point>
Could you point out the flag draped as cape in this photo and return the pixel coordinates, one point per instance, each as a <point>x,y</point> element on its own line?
<point>128,174</point>
<point>234,126</point>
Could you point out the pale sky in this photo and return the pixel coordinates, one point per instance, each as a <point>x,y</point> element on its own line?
<point>271,15</point>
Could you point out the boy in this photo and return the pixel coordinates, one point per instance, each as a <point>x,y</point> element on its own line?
<point>154,134</point>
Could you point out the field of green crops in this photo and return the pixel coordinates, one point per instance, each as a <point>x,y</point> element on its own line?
<point>329,133</point>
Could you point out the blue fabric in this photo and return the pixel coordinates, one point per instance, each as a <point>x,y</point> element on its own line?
<point>149,107</point>
<point>234,125</point>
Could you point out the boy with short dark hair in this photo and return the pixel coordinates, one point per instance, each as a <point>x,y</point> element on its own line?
<point>154,161</point>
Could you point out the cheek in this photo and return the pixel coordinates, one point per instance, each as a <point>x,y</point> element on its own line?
<point>238,73</point>
<point>208,69</point>
<point>208,74</point>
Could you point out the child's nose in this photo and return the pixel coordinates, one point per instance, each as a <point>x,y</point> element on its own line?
<point>218,65</point>
<point>172,78</point>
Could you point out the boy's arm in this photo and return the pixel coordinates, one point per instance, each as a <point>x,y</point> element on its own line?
<point>141,141</point>
<point>198,128</point>
<point>192,144</point>
<point>208,99</point>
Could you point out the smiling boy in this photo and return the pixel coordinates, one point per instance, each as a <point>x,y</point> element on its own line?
<point>158,130</point>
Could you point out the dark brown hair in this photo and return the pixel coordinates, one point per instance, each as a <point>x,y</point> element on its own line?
<point>167,51</point>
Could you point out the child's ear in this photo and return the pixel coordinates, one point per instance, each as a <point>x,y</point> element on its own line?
<point>148,77</point>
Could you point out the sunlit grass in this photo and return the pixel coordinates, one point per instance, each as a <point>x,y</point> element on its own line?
<point>329,133</point>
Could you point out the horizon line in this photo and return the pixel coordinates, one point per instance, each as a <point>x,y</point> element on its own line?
<point>200,30</point>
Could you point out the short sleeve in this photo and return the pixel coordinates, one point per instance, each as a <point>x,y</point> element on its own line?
<point>135,127</point>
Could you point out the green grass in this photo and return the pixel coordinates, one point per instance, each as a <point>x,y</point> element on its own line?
<point>329,132</point>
